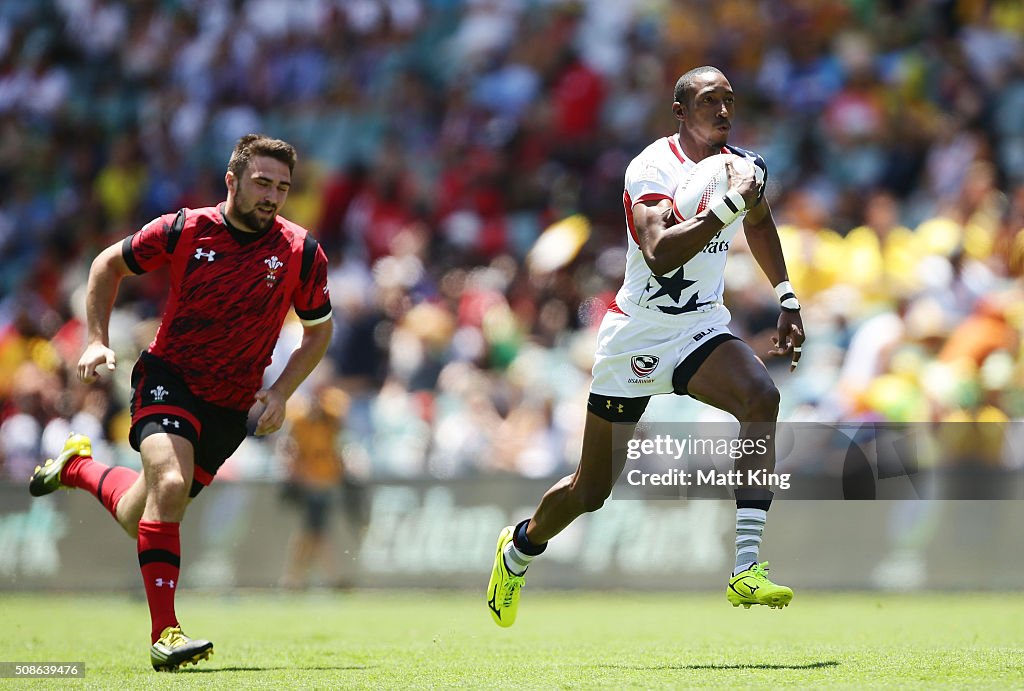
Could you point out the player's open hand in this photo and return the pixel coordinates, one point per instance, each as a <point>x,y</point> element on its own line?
<point>95,355</point>
<point>272,417</point>
<point>790,340</point>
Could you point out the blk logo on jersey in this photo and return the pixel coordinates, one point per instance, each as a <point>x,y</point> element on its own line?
<point>208,256</point>
<point>706,332</point>
<point>643,365</point>
<point>273,264</point>
<point>159,393</point>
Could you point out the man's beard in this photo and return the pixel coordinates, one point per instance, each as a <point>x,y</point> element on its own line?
<point>254,222</point>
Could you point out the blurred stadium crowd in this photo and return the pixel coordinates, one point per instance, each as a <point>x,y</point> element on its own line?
<point>461,162</point>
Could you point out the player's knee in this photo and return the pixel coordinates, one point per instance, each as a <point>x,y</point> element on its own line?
<point>170,489</point>
<point>762,401</point>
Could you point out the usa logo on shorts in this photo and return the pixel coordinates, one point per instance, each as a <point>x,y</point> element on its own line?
<point>643,365</point>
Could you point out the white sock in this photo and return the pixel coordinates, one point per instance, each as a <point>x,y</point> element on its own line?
<point>749,528</point>
<point>516,561</point>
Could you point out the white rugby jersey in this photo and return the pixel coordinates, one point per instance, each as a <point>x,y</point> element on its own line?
<point>699,284</point>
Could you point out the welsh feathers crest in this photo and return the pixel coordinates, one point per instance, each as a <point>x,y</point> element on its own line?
<point>273,264</point>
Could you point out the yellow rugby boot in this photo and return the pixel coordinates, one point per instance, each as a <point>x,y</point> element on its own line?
<point>504,586</point>
<point>174,649</point>
<point>46,478</point>
<point>752,587</point>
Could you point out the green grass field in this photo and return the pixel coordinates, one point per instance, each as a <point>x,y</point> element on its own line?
<point>562,640</point>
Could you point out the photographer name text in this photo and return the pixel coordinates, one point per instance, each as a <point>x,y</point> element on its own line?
<point>708,478</point>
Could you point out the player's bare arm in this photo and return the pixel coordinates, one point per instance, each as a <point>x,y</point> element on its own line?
<point>104,278</point>
<point>311,350</point>
<point>668,244</point>
<point>763,240</point>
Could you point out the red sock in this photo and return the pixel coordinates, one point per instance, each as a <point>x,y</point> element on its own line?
<point>159,560</point>
<point>107,483</point>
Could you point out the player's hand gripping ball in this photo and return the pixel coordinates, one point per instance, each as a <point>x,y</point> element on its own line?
<point>708,182</point>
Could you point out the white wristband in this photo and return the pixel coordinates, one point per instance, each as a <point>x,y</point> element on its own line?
<point>787,296</point>
<point>783,288</point>
<point>729,208</point>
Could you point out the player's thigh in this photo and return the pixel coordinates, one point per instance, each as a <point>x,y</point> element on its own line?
<point>167,458</point>
<point>604,453</point>
<point>165,425</point>
<point>732,378</point>
<point>223,432</point>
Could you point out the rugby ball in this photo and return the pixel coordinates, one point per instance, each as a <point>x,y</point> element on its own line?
<point>707,183</point>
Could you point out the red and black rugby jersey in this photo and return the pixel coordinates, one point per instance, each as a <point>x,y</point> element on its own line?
<point>230,292</point>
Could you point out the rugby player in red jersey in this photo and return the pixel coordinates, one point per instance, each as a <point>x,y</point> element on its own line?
<point>235,270</point>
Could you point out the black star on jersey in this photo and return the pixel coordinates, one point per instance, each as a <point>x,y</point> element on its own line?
<point>673,285</point>
<point>690,306</point>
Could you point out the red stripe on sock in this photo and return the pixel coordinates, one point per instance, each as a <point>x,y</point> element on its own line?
<point>160,578</point>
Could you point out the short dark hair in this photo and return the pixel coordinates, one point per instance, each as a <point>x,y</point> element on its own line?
<point>685,86</point>
<point>261,145</point>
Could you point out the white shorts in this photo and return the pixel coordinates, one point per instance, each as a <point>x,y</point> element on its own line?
<point>637,355</point>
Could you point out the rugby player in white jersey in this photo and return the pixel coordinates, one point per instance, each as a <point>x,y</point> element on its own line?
<point>668,332</point>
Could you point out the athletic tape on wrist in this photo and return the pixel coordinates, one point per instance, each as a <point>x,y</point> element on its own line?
<point>787,297</point>
<point>783,288</point>
<point>729,208</point>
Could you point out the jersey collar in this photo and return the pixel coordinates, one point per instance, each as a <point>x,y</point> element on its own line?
<point>240,236</point>
<point>677,149</point>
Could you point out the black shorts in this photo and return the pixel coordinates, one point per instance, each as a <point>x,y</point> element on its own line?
<point>162,403</point>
